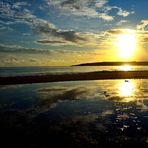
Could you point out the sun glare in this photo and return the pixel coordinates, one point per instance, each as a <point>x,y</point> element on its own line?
<point>126,44</point>
<point>126,90</point>
<point>125,67</point>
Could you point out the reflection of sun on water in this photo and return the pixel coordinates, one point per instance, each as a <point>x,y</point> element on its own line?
<point>125,67</point>
<point>126,89</point>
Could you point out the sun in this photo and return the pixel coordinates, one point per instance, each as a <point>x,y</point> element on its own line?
<point>126,44</point>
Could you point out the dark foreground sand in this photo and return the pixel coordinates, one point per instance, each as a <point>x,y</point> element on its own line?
<point>74,77</point>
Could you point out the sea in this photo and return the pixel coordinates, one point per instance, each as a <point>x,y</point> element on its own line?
<point>17,71</point>
<point>75,114</point>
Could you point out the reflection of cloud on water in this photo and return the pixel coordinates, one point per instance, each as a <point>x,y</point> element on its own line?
<point>17,86</point>
<point>122,117</point>
<point>118,99</point>
<point>48,90</point>
<point>107,113</point>
<point>68,94</point>
<point>140,103</point>
<point>110,124</point>
<point>50,97</point>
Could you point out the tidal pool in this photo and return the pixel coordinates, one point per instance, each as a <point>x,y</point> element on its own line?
<point>104,113</point>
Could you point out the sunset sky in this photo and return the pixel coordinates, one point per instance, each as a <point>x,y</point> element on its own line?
<point>67,32</point>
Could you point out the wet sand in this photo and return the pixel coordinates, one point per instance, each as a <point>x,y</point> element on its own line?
<point>103,75</point>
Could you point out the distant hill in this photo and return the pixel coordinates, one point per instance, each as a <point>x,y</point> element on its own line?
<point>134,63</point>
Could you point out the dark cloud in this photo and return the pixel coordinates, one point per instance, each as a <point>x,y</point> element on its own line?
<point>68,2</point>
<point>116,31</point>
<point>40,26</point>
<point>72,3</point>
<point>70,36</point>
<point>63,36</point>
<point>20,49</point>
<point>51,42</point>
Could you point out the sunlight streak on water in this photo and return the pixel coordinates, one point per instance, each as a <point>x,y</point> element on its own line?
<point>126,89</point>
<point>125,67</point>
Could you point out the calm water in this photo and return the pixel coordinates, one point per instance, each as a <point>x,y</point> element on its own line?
<point>9,71</point>
<point>106,113</point>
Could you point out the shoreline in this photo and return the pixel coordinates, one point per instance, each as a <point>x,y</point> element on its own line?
<point>103,75</point>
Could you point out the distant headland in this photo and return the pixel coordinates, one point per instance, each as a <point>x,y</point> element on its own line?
<point>132,63</point>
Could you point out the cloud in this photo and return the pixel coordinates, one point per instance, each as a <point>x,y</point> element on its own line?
<point>101,3</point>
<point>33,60</point>
<point>93,8</point>
<point>82,8</point>
<point>42,26</point>
<point>142,26</point>
<point>39,57</point>
<point>55,36</point>
<point>11,11</point>
<point>45,41</point>
<point>120,11</point>
<point>19,5</point>
<point>2,27</point>
<point>58,36</point>
<point>121,22</point>
<point>17,13</point>
<point>10,60</point>
<point>144,39</point>
<point>116,31</point>
<point>106,17</point>
<point>123,13</point>
<point>20,49</point>
<point>77,7</point>
<point>120,31</point>
<point>140,34</point>
<point>70,38</point>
